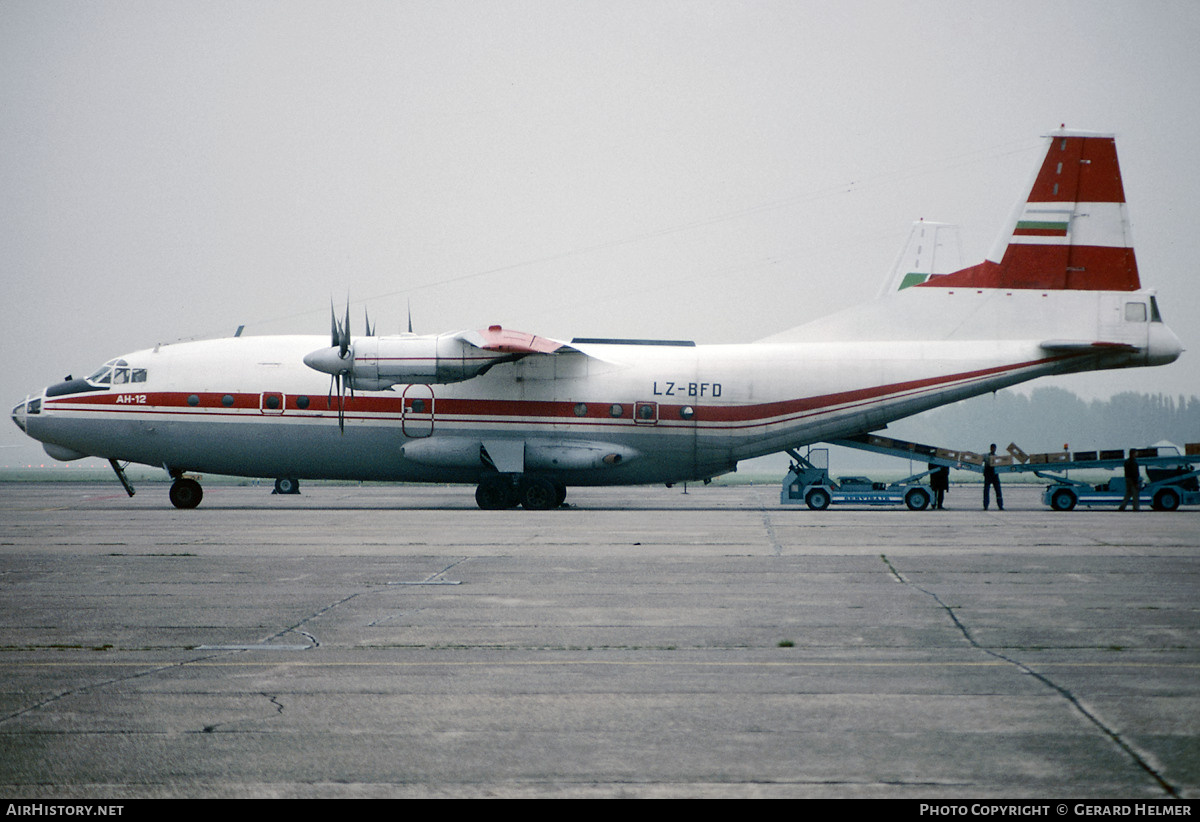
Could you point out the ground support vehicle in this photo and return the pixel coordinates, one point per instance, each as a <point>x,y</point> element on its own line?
<point>1177,487</point>
<point>1173,478</point>
<point>808,481</point>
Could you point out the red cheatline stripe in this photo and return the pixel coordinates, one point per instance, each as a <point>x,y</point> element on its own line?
<point>531,412</point>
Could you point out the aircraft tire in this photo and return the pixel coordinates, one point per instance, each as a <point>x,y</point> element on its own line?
<point>916,500</point>
<point>495,494</point>
<point>287,485</point>
<point>1063,500</point>
<point>1166,500</point>
<point>817,499</point>
<point>538,494</point>
<point>186,493</point>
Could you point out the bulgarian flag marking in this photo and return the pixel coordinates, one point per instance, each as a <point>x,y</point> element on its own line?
<point>1041,228</point>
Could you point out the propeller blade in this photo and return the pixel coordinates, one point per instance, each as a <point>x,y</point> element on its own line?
<point>367,323</point>
<point>341,403</point>
<point>333,326</point>
<point>344,342</point>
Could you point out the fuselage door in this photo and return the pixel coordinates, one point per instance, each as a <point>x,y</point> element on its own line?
<point>417,417</point>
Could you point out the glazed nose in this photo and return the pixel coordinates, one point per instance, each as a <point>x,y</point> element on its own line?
<point>20,413</point>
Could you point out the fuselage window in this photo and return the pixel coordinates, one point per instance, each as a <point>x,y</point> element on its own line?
<point>1135,312</point>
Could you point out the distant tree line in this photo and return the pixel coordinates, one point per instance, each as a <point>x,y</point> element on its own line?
<point>1050,418</point>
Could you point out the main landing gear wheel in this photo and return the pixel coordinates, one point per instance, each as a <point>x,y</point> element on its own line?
<point>186,493</point>
<point>496,493</point>
<point>538,494</point>
<point>287,485</point>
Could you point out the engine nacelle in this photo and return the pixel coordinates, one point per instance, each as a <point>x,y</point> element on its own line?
<point>378,363</point>
<point>538,455</point>
<point>381,362</point>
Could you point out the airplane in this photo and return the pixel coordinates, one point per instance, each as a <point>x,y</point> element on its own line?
<point>522,417</point>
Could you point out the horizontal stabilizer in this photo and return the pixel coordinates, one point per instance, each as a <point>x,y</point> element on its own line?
<point>1080,346</point>
<point>932,250</point>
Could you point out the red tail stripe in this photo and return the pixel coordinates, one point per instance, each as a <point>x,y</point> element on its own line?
<point>1079,170</point>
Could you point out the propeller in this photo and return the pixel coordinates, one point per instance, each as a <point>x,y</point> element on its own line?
<point>338,359</point>
<point>338,367</point>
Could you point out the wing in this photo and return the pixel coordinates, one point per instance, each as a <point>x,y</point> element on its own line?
<point>508,341</point>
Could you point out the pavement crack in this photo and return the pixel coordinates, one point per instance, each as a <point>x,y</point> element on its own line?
<point>1062,691</point>
<point>437,574</point>
<point>776,548</point>
<point>104,683</point>
<point>216,727</point>
<point>309,618</point>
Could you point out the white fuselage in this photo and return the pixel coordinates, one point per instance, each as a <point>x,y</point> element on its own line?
<point>595,414</point>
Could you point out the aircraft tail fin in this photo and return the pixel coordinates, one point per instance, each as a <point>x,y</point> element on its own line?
<point>1071,233</point>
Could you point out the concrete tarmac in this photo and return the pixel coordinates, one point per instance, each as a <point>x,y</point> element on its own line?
<point>398,642</point>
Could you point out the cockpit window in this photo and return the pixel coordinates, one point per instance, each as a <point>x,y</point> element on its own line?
<point>1155,317</point>
<point>117,372</point>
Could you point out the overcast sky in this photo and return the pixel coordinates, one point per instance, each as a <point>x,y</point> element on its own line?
<point>717,171</point>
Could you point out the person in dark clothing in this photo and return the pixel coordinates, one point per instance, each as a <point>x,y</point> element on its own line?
<point>1133,483</point>
<point>990,479</point>
<point>939,484</point>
